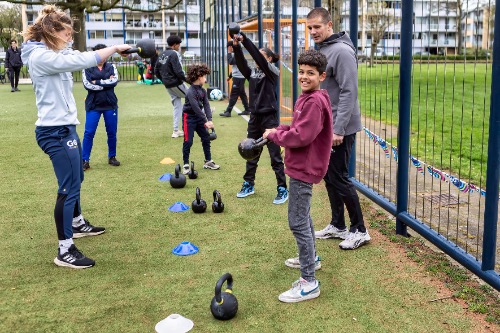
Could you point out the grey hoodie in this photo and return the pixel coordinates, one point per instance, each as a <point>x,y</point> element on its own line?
<point>50,73</point>
<point>342,83</point>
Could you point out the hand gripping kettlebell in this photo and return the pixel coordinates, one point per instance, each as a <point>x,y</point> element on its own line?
<point>224,305</point>
<point>193,174</point>
<point>178,180</point>
<point>212,135</point>
<point>199,205</point>
<point>217,206</point>
<point>234,29</point>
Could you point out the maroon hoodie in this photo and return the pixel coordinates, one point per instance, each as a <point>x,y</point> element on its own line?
<point>308,140</point>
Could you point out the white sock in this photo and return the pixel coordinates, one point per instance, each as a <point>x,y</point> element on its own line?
<point>64,245</point>
<point>78,221</point>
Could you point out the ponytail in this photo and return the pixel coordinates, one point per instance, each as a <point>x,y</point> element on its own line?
<point>274,57</point>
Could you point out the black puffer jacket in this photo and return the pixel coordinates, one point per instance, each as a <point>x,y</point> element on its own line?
<point>13,57</point>
<point>169,70</point>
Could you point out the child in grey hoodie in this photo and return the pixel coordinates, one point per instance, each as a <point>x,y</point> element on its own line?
<point>50,64</point>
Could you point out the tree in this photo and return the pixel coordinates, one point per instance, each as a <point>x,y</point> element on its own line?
<point>78,8</point>
<point>10,24</point>
<point>378,20</point>
<point>334,7</point>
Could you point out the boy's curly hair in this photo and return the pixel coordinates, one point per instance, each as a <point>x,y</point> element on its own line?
<point>313,58</point>
<point>196,71</point>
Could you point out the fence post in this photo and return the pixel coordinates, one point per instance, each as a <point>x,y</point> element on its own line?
<point>405,66</point>
<point>276,47</point>
<point>493,164</point>
<point>353,33</point>
<point>295,52</point>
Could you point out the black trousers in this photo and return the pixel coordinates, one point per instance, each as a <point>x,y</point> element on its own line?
<point>256,127</point>
<point>340,189</point>
<point>238,90</point>
<point>14,76</point>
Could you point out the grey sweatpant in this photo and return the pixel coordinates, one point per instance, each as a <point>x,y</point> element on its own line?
<point>301,225</point>
<point>176,93</point>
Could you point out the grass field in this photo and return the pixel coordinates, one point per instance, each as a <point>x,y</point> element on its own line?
<point>137,281</point>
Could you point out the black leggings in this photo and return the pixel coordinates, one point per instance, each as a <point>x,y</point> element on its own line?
<point>14,76</point>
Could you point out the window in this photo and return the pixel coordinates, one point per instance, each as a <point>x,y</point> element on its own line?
<point>96,17</point>
<point>115,17</point>
<point>114,34</point>
<point>194,35</point>
<point>96,34</point>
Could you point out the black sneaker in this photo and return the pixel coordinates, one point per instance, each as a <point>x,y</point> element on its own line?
<point>73,259</point>
<point>245,113</point>
<point>87,229</point>
<point>86,165</point>
<point>113,161</point>
<point>16,89</point>
<point>225,114</point>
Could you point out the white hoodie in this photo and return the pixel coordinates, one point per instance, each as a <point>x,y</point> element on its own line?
<point>50,72</point>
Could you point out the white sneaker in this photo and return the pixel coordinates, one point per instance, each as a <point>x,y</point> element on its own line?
<point>301,291</point>
<point>211,165</point>
<point>186,169</point>
<point>295,263</point>
<point>176,134</point>
<point>330,231</point>
<point>355,240</point>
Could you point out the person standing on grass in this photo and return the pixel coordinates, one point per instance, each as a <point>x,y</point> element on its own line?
<point>13,63</point>
<point>342,85</point>
<point>197,117</point>
<point>100,83</point>
<point>169,70</point>
<point>238,88</point>
<point>263,111</point>
<point>50,68</point>
<point>307,139</point>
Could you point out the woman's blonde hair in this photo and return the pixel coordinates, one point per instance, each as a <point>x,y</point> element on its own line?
<point>49,21</point>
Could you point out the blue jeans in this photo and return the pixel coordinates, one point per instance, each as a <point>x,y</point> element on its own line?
<point>62,144</point>
<point>301,225</point>
<point>111,123</point>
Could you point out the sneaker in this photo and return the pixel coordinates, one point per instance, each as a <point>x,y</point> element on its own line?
<point>211,165</point>
<point>301,291</point>
<point>331,231</point>
<point>225,114</point>
<point>12,90</point>
<point>244,113</point>
<point>87,229</point>
<point>295,263</point>
<point>246,190</point>
<point>186,169</point>
<point>113,161</point>
<point>177,134</point>
<point>282,196</point>
<point>86,165</point>
<point>16,89</point>
<point>73,259</point>
<point>355,240</point>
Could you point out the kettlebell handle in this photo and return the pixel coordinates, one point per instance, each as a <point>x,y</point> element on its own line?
<point>177,170</point>
<point>218,286</point>
<point>198,195</point>
<point>260,142</point>
<point>192,166</point>
<point>217,197</point>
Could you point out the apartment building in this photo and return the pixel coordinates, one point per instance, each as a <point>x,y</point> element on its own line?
<point>477,28</point>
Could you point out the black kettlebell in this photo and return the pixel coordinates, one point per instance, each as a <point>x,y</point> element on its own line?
<point>178,180</point>
<point>234,29</point>
<point>199,205</point>
<point>212,134</point>
<point>251,148</point>
<point>193,174</point>
<point>224,304</point>
<point>217,206</point>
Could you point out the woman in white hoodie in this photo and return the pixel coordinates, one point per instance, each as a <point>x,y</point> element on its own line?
<point>49,57</point>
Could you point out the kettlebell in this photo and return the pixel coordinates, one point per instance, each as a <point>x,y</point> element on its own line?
<point>251,148</point>
<point>224,304</point>
<point>199,205</point>
<point>212,134</point>
<point>193,174</point>
<point>178,180</point>
<point>217,206</point>
<point>234,29</point>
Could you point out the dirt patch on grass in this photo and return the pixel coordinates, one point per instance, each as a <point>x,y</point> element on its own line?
<point>452,282</point>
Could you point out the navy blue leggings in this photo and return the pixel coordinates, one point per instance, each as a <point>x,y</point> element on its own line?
<point>62,144</point>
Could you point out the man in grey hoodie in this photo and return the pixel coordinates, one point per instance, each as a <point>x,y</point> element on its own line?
<point>342,85</point>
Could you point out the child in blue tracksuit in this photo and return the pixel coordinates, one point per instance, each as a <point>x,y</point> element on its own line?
<point>50,62</point>
<point>197,117</point>
<point>100,82</point>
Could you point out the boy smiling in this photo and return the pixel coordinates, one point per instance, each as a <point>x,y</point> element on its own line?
<point>308,138</point>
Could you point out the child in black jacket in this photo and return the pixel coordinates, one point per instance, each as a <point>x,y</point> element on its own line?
<point>197,116</point>
<point>263,111</point>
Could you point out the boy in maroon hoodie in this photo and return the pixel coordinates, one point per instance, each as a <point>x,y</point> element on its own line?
<point>307,143</point>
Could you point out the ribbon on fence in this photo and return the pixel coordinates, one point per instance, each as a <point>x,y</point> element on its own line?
<point>421,166</point>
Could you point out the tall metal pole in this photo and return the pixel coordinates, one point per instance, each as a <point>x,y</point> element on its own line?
<point>163,33</point>
<point>353,33</point>
<point>276,42</point>
<point>493,165</point>
<point>260,23</point>
<point>404,114</point>
<point>295,51</point>
<point>317,3</point>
